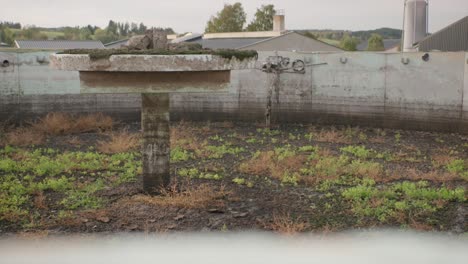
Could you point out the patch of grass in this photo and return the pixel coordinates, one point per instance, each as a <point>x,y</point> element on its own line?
<point>397,137</point>
<point>194,173</point>
<point>325,167</point>
<point>287,225</point>
<point>217,138</point>
<point>24,137</point>
<point>268,132</point>
<point>399,201</point>
<point>190,173</point>
<point>413,174</point>
<point>13,198</point>
<point>242,181</point>
<point>75,141</point>
<point>252,140</point>
<point>61,184</point>
<point>259,164</point>
<point>84,198</point>
<point>309,149</point>
<point>290,179</point>
<point>456,166</point>
<point>178,155</point>
<point>366,169</point>
<point>119,142</point>
<point>61,123</point>
<point>358,151</point>
<point>47,162</point>
<point>332,136</point>
<point>210,176</point>
<point>192,197</point>
<point>218,152</point>
<point>279,164</point>
<point>442,159</point>
<point>284,152</point>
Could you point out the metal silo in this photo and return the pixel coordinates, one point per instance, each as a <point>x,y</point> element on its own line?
<point>415,25</point>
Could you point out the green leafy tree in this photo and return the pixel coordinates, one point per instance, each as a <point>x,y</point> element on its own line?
<point>6,35</point>
<point>85,33</point>
<point>142,28</point>
<point>32,33</point>
<point>92,29</point>
<point>349,43</point>
<point>72,33</point>
<point>231,19</point>
<point>310,35</point>
<point>375,43</point>
<point>263,20</point>
<point>105,36</point>
<point>112,28</point>
<point>134,28</point>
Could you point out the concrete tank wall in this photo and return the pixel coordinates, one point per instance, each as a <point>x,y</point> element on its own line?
<point>377,89</point>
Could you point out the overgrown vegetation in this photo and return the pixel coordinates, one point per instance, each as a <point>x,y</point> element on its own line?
<point>97,54</point>
<point>400,202</point>
<point>287,179</point>
<point>74,176</point>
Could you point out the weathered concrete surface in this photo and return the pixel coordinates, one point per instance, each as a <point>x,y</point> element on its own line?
<point>351,85</point>
<point>9,85</point>
<point>368,89</point>
<point>156,141</point>
<point>36,79</point>
<point>148,63</point>
<point>465,96</point>
<point>424,94</point>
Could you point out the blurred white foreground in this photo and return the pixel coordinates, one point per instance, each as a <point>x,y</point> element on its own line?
<point>352,248</point>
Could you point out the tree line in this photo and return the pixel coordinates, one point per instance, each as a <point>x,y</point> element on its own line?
<point>233,18</point>
<point>9,31</point>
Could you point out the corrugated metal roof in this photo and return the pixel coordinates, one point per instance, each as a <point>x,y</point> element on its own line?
<point>59,44</point>
<point>452,38</point>
<point>188,38</point>
<point>116,44</point>
<point>227,43</point>
<point>295,42</point>
<point>388,44</point>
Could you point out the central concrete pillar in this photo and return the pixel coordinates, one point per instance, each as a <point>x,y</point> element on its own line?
<point>156,142</point>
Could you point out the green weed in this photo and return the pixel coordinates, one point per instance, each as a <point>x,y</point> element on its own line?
<point>84,197</point>
<point>456,166</point>
<point>358,151</point>
<point>178,155</point>
<point>242,181</point>
<point>385,204</point>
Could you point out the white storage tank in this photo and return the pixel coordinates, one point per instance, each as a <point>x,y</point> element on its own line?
<point>415,26</point>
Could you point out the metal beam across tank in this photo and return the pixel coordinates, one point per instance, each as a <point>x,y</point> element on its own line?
<point>154,77</point>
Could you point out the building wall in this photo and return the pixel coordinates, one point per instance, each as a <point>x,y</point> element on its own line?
<point>375,89</point>
<point>451,38</point>
<point>292,42</point>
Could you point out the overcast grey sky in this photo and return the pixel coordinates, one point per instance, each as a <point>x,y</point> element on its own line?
<point>192,15</point>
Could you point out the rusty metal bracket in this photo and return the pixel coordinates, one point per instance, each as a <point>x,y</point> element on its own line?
<point>280,64</point>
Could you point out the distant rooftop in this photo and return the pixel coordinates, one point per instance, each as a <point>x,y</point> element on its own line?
<point>226,43</point>
<point>116,44</point>
<point>59,44</point>
<point>188,37</point>
<point>454,37</point>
